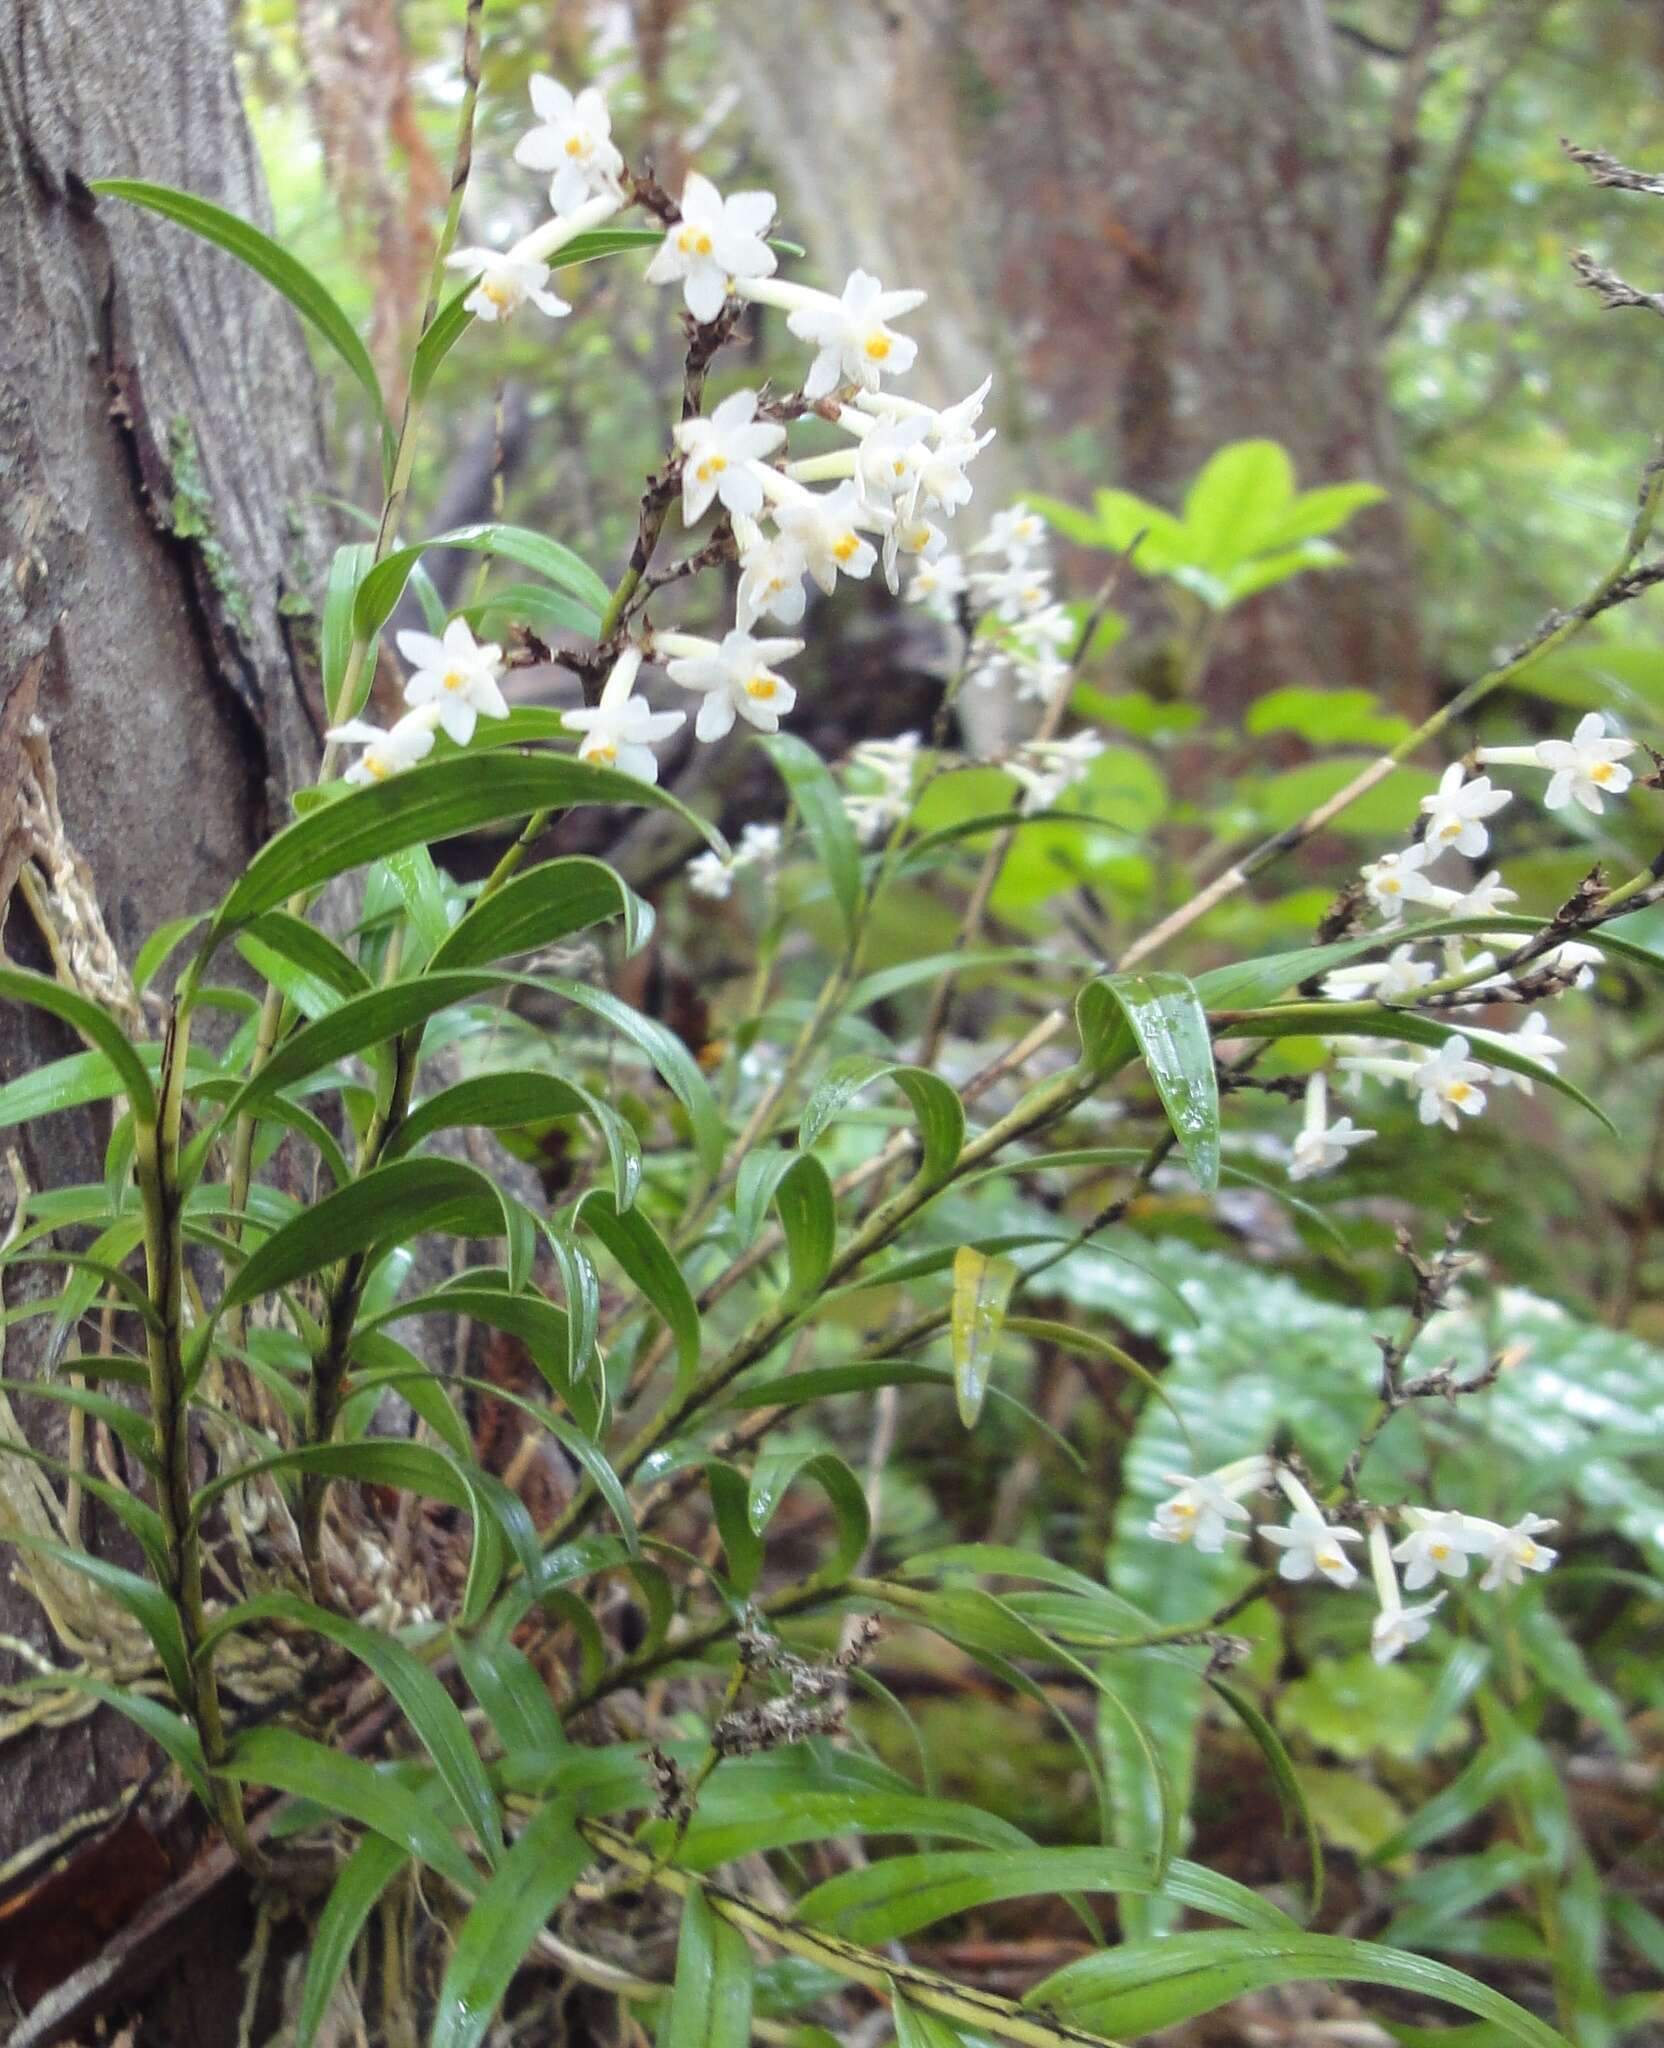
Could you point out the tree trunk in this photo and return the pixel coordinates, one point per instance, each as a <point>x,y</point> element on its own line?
<point>160,464</point>
<point>1138,214</point>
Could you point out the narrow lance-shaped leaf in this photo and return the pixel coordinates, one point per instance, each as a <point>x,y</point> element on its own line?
<point>981,1289</point>
<point>647,1260</point>
<point>503,1922</point>
<point>382,586</point>
<point>1170,1028</point>
<point>710,2005</point>
<point>820,804</point>
<point>240,238</point>
<point>436,800</point>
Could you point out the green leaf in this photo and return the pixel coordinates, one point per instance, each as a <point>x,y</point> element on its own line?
<point>171,1733</point>
<point>916,2028</point>
<point>820,804</point>
<point>365,1875</point>
<point>515,1098</point>
<point>891,981</point>
<point>710,2003</point>
<point>537,1873</point>
<point>1237,500</point>
<point>1321,511</point>
<point>348,567</point>
<point>797,1184</point>
<point>981,1288</point>
<point>436,800</point>
<point>262,255</point>
<point>1296,1810</point>
<point>510,1689</point>
<point>647,1260</point>
<point>540,907</point>
<point>1165,1015</point>
<point>937,1108</point>
<point>96,1026</point>
<point>775,1473</point>
<point>384,584</point>
<point>302,963</point>
<point>1145,1985</point>
<point>1068,1338</point>
<point>355,1026</point>
<point>357,1791</point>
<point>676,1066</point>
<point>149,1606</point>
<point>422,890</point>
<point>1382,1020</point>
<point>532,604</point>
<point>153,954</point>
<point>384,1206</point>
<point>891,1898</point>
<point>424,1702</point>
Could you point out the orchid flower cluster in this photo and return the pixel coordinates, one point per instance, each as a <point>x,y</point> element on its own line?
<point>1022,633</point>
<point>1206,1512</point>
<point>1450,1082</point>
<point>902,468</point>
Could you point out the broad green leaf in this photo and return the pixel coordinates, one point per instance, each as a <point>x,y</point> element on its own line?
<point>891,1898</point>
<point>1145,1985</point>
<point>937,1108</point>
<point>384,1206</point>
<point>267,259</point>
<point>76,1079</point>
<point>357,1791</point>
<point>433,1715</point>
<point>383,585</point>
<point>1321,511</point>
<point>1236,501</point>
<point>648,1262</point>
<point>546,904</point>
<point>537,1873</point>
<point>710,2003</point>
<point>981,1289</point>
<point>96,1026</point>
<point>435,800</point>
<point>513,1099</point>
<point>820,805</point>
<point>365,1875</point>
<point>1167,1022</point>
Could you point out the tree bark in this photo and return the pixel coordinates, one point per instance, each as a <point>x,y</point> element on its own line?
<point>1139,215</point>
<point>160,467</point>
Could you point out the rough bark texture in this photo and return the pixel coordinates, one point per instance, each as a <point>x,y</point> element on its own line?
<point>160,456</point>
<point>1136,212</point>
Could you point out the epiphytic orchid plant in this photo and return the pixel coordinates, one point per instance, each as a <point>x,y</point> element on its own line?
<point>254,1328</point>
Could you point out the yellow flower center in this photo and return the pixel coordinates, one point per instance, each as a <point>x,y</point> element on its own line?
<point>377,766</point>
<point>844,546</point>
<point>601,750</point>
<point>1181,1510</point>
<point>1329,1560</point>
<point>498,294</point>
<point>1451,829</point>
<point>899,466</point>
<point>1601,772</point>
<point>577,143</point>
<point>455,680</point>
<point>1527,1550</point>
<point>1458,1091</point>
<point>1438,1552</point>
<point>878,344</point>
<point>693,241</point>
<point>713,465</point>
<point>762,686</point>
